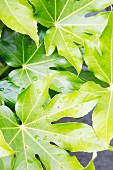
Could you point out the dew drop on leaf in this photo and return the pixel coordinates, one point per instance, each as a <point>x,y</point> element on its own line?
<point>61,88</point>
<point>59,140</point>
<point>89,144</point>
<point>61,101</point>
<point>59,154</point>
<point>55,134</point>
<point>38,91</point>
<point>30,161</point>
<point>65,99</point>
<point>47,117</point>
<point>45,138</point>
<point>36,137</point>
<point>16,8</point>
<point>79,132</point>
<point>20,84</point>
<point>1,89</point>
<point>35,78</point>
<point>37,122</point>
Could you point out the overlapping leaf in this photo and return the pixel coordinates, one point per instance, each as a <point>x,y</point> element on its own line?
<point>38,135</point>
<point>32,63</point>
<point>66,82</point>
<point>1,27</point>
<point>18,15</point>
<point>7,162</point>
<point>67,22</point>
<point>5,150</point>
<point>100,61</point>
<point>6,89</point>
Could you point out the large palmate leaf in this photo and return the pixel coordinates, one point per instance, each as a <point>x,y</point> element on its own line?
<point>32,63</point>
<point>5,150</point>
<point>67,22</point>
<point>18,15</point>
<point>38,135</point>
<point>100,61</point>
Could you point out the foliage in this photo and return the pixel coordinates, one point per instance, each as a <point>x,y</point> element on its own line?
<point>56,62</point>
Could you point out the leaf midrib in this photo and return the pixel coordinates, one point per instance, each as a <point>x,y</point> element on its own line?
<point>14,15</point>
<point>76,11</point>
<point>44,149</point>
<point>45,131</point>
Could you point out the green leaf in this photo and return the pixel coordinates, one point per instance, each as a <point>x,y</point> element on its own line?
<point>1,27</point>
<point>37,134</point>
<point>100,61</point>
<point>31,62</point>
<point>6,163</point>
<point>87,75</point>
<point>5,150</point>
<point>66,82</point>
<point>8,91</point>
<point>18,15</point>
<point>67,25</point>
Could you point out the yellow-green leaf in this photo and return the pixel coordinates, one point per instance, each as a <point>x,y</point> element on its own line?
<point>18,15</point>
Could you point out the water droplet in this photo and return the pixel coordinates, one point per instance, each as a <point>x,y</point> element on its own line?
<point>59,140</point>
<point>89,144</point>
<point>81,139</point>
<point>61,88</point>
<point>30,161</point>
<point>35,78</point>
<point>37,122</point>
<point>59,154</point>
<point>65,99</point>
<point>36,137</point>
<point>47,117</point>
<point>45,138</point>
<point>79,132</point>
<point>55,134</point>
<point>17,8</point>
<point>61,101</point>
<point>38,91</point>
<point>21,84</point>
<point>1,89</point>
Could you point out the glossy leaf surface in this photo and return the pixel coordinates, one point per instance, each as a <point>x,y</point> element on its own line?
<point>19,51</point>
<point>38,135</point>
<point>18,15</point>
<point>5,150</point>
<point>68,24</point>
<point>100,61</point>
<point>6,89</point>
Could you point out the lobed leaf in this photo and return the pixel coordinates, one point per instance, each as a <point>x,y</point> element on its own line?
<point>31,62</point>
<point>68,25</point>
<point>38,135</point>
<point>18,15</point>
<point>100,61</point>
